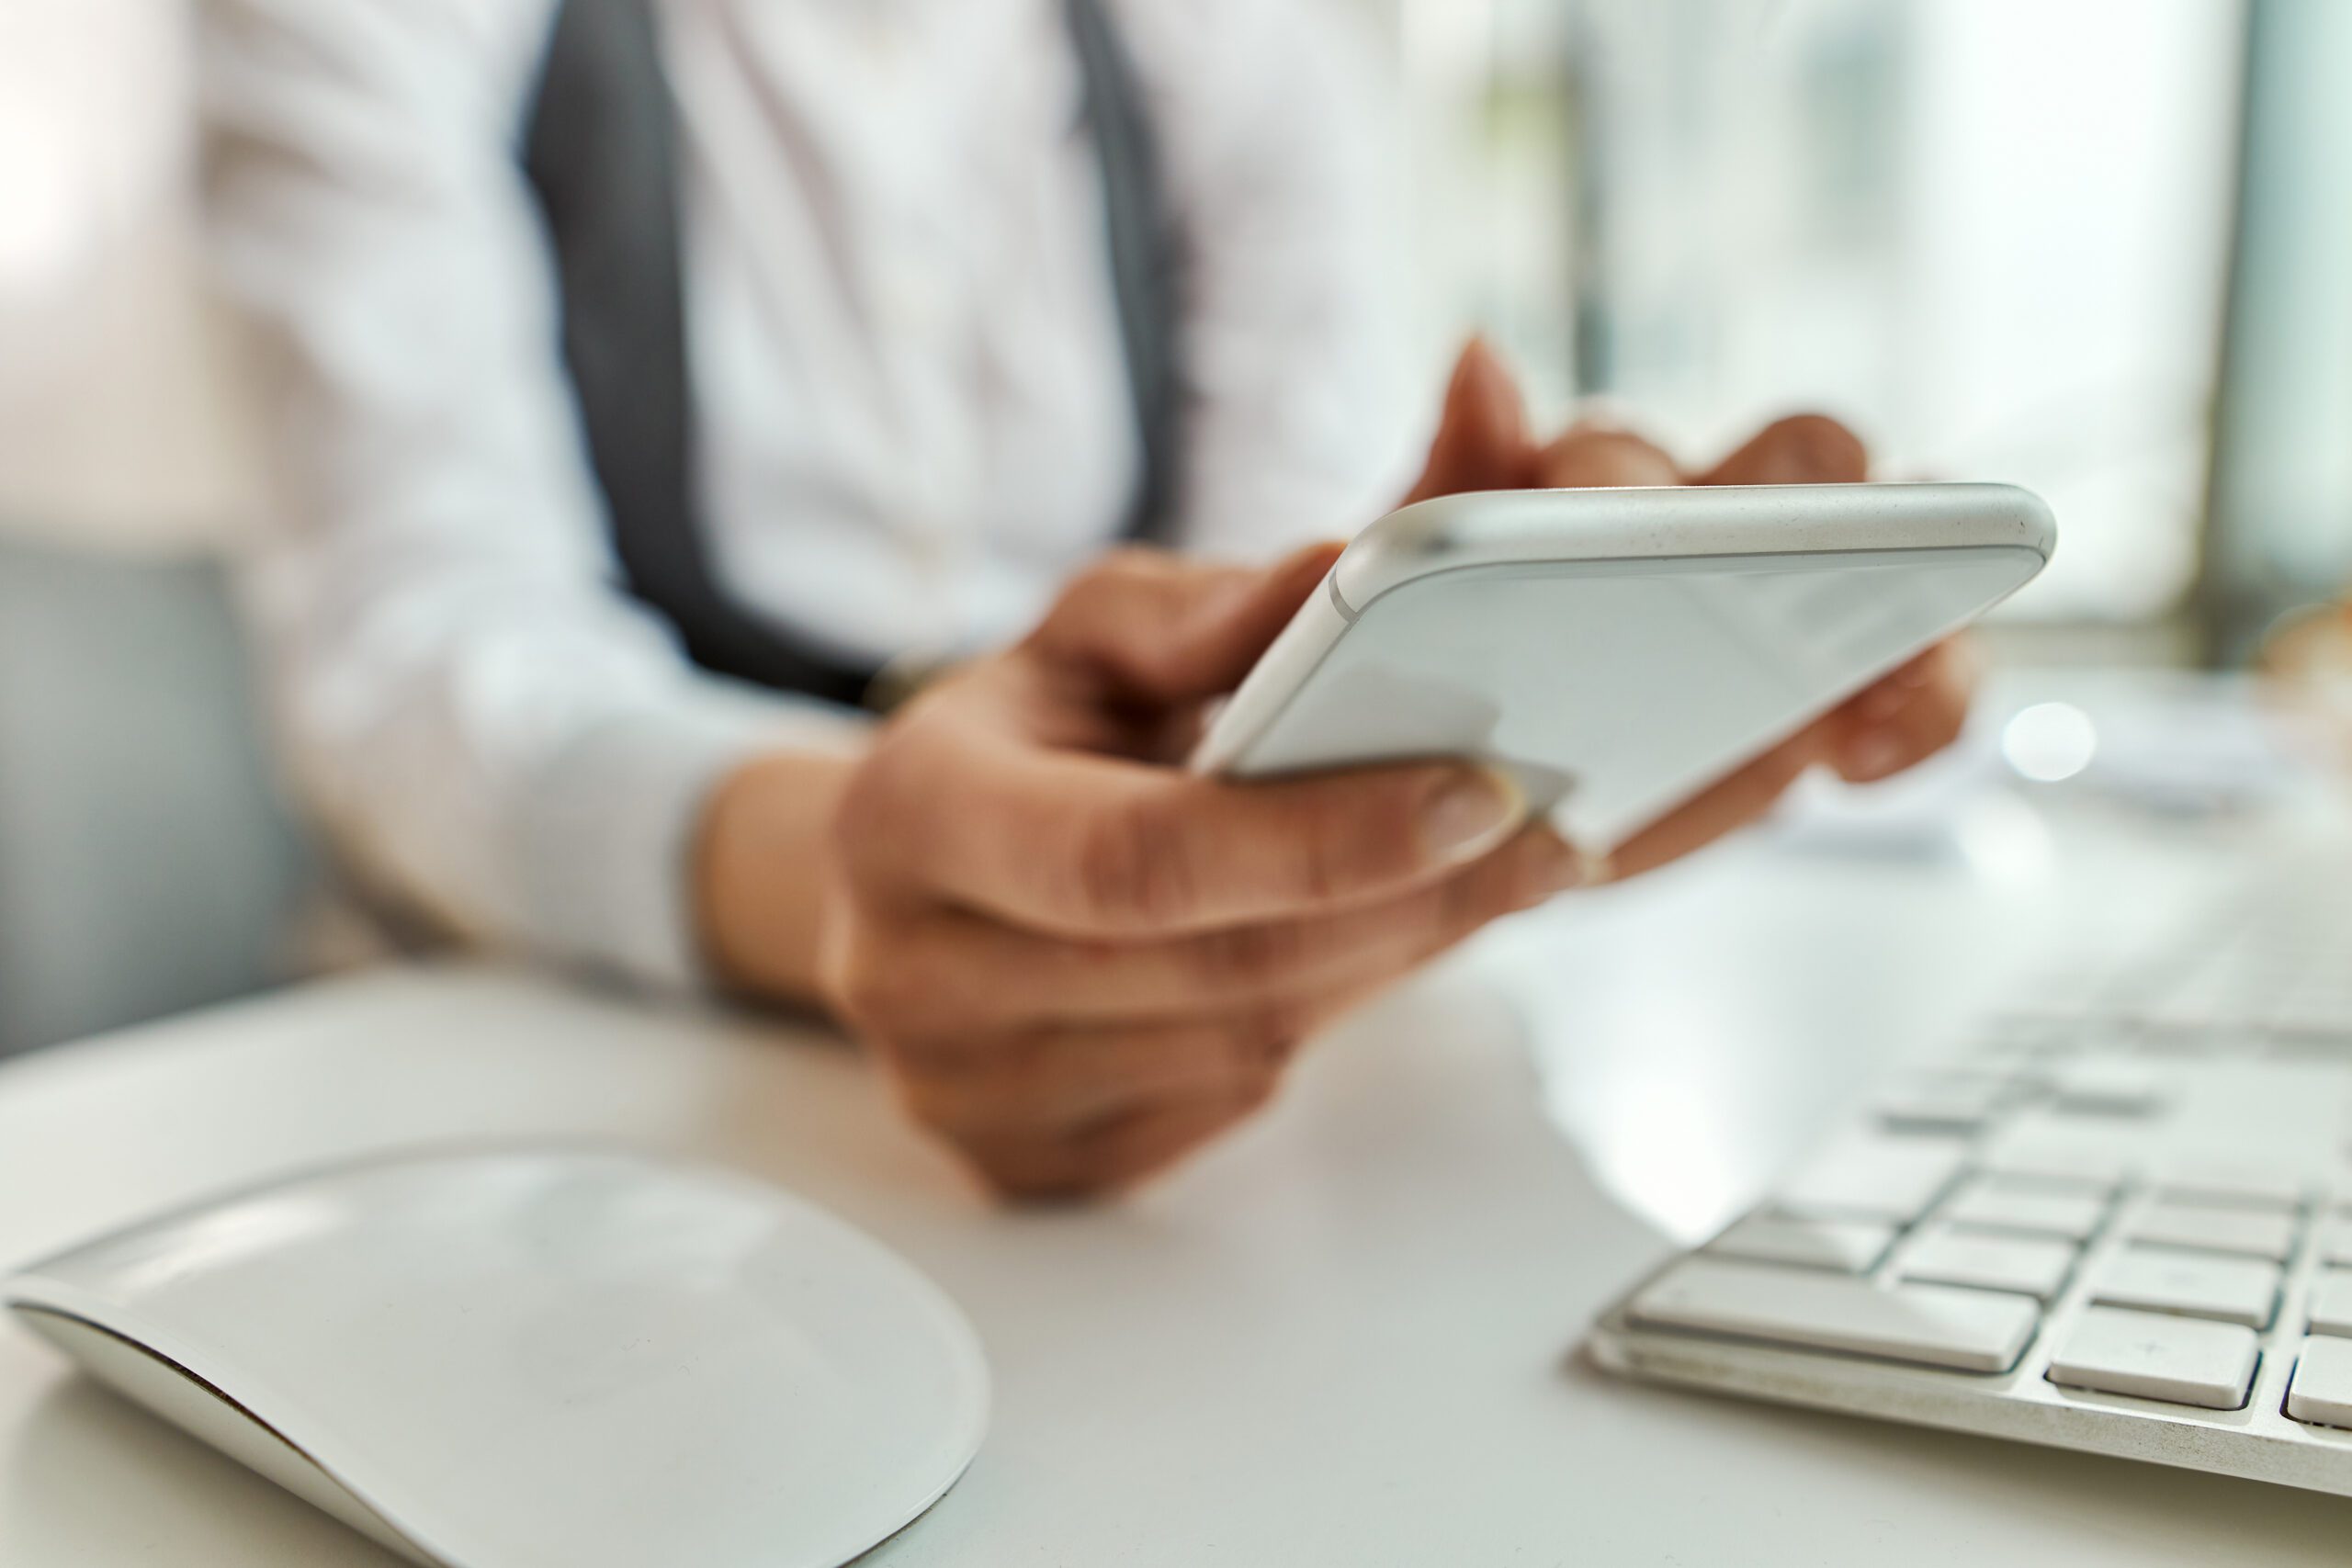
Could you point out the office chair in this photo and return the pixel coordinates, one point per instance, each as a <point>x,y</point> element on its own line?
<point>145,866</point>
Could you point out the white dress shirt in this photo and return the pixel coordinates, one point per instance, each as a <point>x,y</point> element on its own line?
<point>913,413</point>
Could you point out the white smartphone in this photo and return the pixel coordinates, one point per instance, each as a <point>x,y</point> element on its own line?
<point>1617,650</point>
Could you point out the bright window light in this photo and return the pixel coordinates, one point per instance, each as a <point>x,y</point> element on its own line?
<point>2050,741</point>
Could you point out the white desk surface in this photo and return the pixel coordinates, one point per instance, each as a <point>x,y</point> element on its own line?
<point>1342,1338</point>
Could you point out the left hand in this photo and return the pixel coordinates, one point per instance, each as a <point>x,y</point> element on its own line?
<point>1903,719</point>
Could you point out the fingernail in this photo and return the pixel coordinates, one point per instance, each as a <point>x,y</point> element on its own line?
<point>1873,755</point>
<point>1884,700</point>
<point>1470,813</point>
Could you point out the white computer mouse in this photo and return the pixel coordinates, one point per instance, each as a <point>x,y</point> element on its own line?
<point>541,1359</point>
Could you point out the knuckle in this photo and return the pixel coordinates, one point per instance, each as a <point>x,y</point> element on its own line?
<point>870,816</point>
<point>943,1083</point>
<point>1257,1091</point>
<point>1023,1174</point>
<point>1131,867</point>
<point>861,806</point>
<point>921,1097</point>
<point>862,990</point>
<point>1946,725</point>
<point>1038,1168</point>
<point>888,984</point>
<point>1252,956</point>
<point>1270,1031</point>
<point>1817,446</point>
<point>1602,457</point>
<point>1952,684</point>
<point>1373,837</point>
<point>1262,1053</point>
<point>1117,570</point>
<point>1469,900</point>
<point>1774,780</point>
<point>877,978</point>
<point>1322,862</point>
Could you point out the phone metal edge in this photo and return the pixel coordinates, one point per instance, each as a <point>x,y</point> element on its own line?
<point>1497,527</point>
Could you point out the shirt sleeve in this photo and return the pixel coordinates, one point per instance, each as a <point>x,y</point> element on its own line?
<point>489,728</point>
<point>1303,422</point>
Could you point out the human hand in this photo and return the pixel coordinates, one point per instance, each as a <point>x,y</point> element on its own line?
<point>1078,962</point>
<point>1484,442</point>
<point>1900,721</point>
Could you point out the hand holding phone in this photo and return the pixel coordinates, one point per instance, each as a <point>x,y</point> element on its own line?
<point>1614,651</point>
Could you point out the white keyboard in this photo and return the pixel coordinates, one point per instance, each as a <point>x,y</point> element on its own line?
<point>2115,1216</point>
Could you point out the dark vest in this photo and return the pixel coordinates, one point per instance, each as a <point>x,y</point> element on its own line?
<point>599,148</point>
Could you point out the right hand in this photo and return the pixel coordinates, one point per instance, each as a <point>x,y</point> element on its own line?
<point>1078,961</point>
<point>1900,721</point>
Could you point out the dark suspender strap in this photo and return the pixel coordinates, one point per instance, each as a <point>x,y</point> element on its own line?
<point>600,154</point>
<point>1146,259</point>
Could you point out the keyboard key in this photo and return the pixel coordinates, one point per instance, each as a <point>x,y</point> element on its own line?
<point>2002,1205</point>
<point>2319,1014</point>
<point>2335,1242</point>
<point>1850,1246</point>
<point>2332,1302</point>
<point>1943,1101</point>
<point>2229,1181</point>
<point>2067,1001</point>
<point>2075,1165</point>
<point>1999,1054</point>
<point>2205,1227</point>
<point>2228,1290</point>
<point>2027,1266</point>
<point>2205,1006</point>
<point>2191,1047</point>
<point>2059,996</point>
<point>1885,1179</point>
<point>1931,1326</point>
<point>2111,1088</point>
<point>2177,1360</point>
<point>2322,1390</point>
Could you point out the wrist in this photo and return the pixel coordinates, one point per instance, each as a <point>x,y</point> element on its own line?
<point>758,872</point>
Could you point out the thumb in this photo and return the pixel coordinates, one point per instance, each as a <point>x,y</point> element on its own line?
<point>1162,630</point>
<point>1482,441</point>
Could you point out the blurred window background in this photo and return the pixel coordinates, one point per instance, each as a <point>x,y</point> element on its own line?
<point>114,426</point>
<point>2100,247</point>
<point>143,865</point>
<point>2064,243</point>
